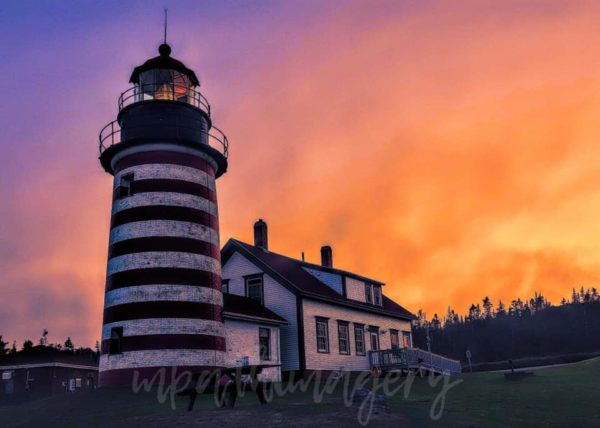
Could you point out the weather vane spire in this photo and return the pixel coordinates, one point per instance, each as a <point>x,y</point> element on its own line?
<point>166,11</point>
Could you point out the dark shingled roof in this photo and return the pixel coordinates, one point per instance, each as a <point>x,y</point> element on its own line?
<point>247,307</point>
<point>290,273</point>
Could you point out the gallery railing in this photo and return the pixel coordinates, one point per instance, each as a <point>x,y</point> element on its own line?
<point>111,135</point>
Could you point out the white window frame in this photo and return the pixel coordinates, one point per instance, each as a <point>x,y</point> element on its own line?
<point>343,337</point>
<point>359,329</point>
<point>260,346</point>
<point>322,332</point>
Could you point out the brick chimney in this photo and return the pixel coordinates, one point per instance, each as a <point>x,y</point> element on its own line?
<point>326,256</point>
<point>261,237</point>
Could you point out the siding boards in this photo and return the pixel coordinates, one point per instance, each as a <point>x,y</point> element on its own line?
<point>355,289</point>
<point>333,360</point>
<point>277,298</point>
<point>242,341</point>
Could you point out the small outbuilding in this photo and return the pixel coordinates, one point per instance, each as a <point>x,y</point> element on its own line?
<point>43,371</point>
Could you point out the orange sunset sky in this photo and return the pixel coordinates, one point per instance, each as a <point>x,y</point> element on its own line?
<point>447,148</point>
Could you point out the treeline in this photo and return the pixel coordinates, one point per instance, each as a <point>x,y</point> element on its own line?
<point>531,328</point>
<point>67,346</point>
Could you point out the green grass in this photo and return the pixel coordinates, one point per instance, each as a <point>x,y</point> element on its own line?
<point>555,397</point>
<point>534,361</point>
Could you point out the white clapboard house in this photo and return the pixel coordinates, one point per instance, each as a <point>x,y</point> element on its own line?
<point>334,317</point>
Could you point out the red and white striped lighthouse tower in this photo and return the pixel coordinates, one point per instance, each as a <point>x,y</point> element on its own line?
<point>163,301</point>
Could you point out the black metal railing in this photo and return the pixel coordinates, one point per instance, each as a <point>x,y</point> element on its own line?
<point>165,91</point>
<point>413,358</point>
<point>111,135</point>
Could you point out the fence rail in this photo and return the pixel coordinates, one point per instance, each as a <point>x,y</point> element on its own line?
<point>412,358</point>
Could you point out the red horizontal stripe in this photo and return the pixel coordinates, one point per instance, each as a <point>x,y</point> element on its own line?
<point>164,243</point>
<point>162,309</point>
<point>162,212</point>
<point>125,377</point>
<point>165,157</point>
<point>168,341</point>
<point>176,276</point>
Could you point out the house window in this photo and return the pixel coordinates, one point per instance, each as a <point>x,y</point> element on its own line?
<point>322,335</point>
<point>377,295</point>
<point>368,296</point>
<point>116,337</point>
<point>254,288</point>
<point>406,339</point>
<point>225,286</point>
<point>359,339</point>
<point>264,341</point>
<point>374,333</point>
<point>125,186</point>
<point>394,339</point>
<point>343,338</point>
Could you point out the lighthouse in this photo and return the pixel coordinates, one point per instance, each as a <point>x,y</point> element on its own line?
<point>163,300</point>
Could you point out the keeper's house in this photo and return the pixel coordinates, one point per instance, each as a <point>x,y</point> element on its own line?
<point>334,317</point>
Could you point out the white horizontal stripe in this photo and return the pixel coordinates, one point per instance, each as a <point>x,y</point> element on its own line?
<point>162,357</point>
<point>166,292</point>
<point>164,259</point>
<point>165,199</point>
<point>171,228</point>
<point>148,326</point>
<point>169,172</point>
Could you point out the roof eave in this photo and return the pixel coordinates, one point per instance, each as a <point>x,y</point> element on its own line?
<point>244,317</point>
<point>358,306</point>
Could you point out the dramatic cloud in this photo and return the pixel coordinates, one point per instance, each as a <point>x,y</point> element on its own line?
<point>447,148</point>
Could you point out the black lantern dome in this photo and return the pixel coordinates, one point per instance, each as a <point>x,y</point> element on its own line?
<point>162,68</point>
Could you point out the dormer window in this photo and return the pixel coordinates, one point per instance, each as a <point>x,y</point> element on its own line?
<point>377,295</point>
<point>368,295</point>
<point>254,288</point>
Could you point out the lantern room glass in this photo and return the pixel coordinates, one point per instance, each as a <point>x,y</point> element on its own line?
<point>164,84</point>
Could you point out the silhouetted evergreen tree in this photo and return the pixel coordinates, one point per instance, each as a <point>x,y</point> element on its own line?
<point>3,348</point>
<point>488,308</point>
<point>44,338</point>
<point>69,344</point>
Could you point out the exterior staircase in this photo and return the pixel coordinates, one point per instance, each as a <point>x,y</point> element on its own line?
<point>413,359</point>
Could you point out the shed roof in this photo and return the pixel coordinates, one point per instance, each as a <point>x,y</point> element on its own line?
<point>249,308</point>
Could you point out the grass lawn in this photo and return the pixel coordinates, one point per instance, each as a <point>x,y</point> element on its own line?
<point>554,397</point>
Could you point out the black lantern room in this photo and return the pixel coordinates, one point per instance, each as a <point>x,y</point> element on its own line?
<point>163,106</point>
